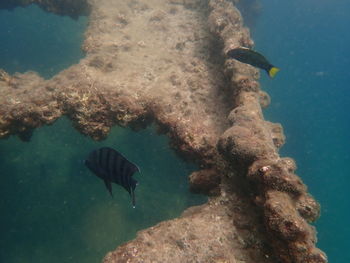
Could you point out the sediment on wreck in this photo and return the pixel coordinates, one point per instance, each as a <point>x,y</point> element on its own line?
<point>251,146</point>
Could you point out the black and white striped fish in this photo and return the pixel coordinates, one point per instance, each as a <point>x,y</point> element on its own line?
<point>112,167</point>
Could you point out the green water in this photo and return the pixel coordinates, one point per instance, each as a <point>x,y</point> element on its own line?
<point>55,210</point>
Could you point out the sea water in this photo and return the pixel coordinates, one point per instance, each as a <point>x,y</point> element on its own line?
<point>31,39</point>
<point>53,209</point>
<point>309,41</point>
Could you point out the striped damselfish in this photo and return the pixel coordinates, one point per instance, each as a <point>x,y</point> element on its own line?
<point>112,167</point>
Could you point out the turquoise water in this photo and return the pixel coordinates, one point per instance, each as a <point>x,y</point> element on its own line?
<point>32,39</point>
<point>309,41</point>
<point>53,209</point>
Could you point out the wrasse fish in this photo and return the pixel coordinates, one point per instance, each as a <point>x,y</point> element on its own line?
<point>253,58</point>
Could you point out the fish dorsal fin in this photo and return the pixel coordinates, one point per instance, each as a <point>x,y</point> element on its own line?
<point>108,186</point>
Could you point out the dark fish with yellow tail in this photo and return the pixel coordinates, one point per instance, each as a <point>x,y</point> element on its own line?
<point>112,167</point>
<point>253,58</point>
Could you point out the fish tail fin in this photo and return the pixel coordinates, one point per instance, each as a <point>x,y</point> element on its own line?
<point>273,71</point>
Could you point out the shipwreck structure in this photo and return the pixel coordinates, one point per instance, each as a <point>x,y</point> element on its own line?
<point>162,62</point>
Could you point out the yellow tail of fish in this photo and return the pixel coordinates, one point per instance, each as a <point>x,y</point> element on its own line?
<point>273,71</point>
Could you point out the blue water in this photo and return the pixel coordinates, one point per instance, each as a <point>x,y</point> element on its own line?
<point>31,39</point>
<point>310,42</point>
<point>53,209</point>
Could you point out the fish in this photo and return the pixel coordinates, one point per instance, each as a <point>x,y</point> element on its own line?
<point>253,58</point>
<point>112,167</point>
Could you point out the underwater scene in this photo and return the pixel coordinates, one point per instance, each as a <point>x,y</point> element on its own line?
<point>173,89</point>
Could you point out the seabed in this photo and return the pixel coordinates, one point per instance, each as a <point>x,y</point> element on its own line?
<point>162,62</point>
